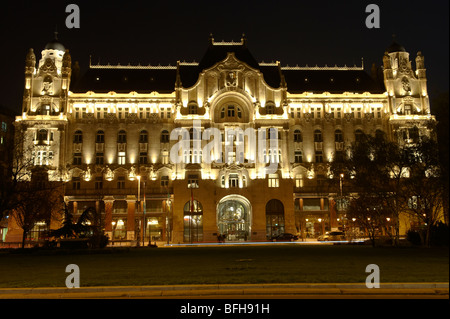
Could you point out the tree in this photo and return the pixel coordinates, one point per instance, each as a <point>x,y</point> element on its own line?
<point>16,171</point>
<point>36,200</point>
<point>424,190</point>
<point>374,170</point>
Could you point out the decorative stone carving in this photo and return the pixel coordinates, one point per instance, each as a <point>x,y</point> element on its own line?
<point>406,85</point>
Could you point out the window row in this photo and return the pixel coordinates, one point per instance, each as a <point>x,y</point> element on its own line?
<point>123,113</point>
<point>121,136</point>
<point>336,113</point>
<point>120,183</point>
<point>338,135</point>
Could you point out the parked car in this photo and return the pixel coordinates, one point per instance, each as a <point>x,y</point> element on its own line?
<point>285,237</point>
<point>332,236</point>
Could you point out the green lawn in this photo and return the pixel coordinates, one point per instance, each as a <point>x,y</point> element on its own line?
<point>227,264</point>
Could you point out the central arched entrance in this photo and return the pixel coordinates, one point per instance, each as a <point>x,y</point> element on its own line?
<point>234,218</point>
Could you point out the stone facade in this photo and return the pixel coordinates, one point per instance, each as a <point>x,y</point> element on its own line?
<point>112,136</point>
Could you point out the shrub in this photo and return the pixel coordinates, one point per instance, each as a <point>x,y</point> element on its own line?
<point>413,236</point>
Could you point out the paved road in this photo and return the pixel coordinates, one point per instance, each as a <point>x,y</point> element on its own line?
<point>263,291</point>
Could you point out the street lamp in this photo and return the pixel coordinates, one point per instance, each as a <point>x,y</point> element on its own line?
<point>139,204</point>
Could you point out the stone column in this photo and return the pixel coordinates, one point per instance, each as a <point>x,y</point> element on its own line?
<point>333,214</point>
<point>131,203</point>
<point>109,202</point>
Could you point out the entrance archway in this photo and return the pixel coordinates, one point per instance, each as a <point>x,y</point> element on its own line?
<point>234,218</point>
<point>193,222</point>
<point>274,218</point>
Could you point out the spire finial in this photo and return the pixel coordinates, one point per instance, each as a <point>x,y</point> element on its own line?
<point>56,32</point>
<point>211,38</point>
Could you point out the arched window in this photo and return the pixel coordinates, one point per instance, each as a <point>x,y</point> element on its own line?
<point>42,135</point>
<point>338,137</point>
<point>192,109</point>
<point>298,136</point>
<point>100,137</point>
<point>122,137</point>
<point>193,221</point>
<point>274,218</point>
<point>318,136</point>
<point>143,136</point>
<point>270,109</point>
<point>78,137</point>
<point>359,135</point>
<point>379,134</point>
<point>231,112</point>
<point>165,137</point>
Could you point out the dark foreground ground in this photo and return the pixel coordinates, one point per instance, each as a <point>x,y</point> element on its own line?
<point>288,263</point>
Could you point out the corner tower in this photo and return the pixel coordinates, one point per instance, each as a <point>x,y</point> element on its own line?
<point>408,98</point>
<point>43,121</point>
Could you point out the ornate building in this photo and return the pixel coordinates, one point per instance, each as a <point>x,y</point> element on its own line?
<point>114,136</point>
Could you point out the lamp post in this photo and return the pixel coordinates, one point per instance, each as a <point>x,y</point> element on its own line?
<point>139,201</point>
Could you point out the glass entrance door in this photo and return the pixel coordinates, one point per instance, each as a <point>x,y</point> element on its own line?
<point>234,220</point>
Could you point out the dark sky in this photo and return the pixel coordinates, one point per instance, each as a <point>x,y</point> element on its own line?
<point>292,32</point>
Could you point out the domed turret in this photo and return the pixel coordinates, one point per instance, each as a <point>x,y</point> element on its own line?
<point>55,44</point>
<point>395,46</point>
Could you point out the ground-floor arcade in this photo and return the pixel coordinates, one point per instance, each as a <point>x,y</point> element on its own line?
<point>181,214</point>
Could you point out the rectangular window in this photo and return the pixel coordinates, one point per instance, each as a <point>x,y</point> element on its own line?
<point>233,180</point>
<point>121,182</point>
<point>119,112</point>
<point>319,157</point>
<point>99,158</point>
<point>99,182</point>
<point>143,158</point>
<point>121,158</point>
<point>231,111</point>
<point>164,181</point>
<point>299,181</point>
<point>192,181</point>
<point>298,157</point>
<point>332,113</point>
<point>311,204</point>
<point>273,180</point>
<point>77,159</point>
<point>76,183</point>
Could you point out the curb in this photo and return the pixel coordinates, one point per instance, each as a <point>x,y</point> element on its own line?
<point>339,288</point>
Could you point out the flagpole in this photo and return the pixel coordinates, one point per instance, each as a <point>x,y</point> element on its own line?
<point>143,237</point>
<point>190,217</point>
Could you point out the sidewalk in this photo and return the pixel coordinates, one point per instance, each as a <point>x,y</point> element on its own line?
<point>241,291</point>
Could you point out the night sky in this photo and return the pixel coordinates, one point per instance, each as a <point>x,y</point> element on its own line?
<point>292,32</point>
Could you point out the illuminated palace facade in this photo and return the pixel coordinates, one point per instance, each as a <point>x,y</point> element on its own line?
<point>107,134</point>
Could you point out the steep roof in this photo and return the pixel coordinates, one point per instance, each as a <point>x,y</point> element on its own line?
<point>146,79</point>
<point>125,80</point>
<point>330,80</point>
